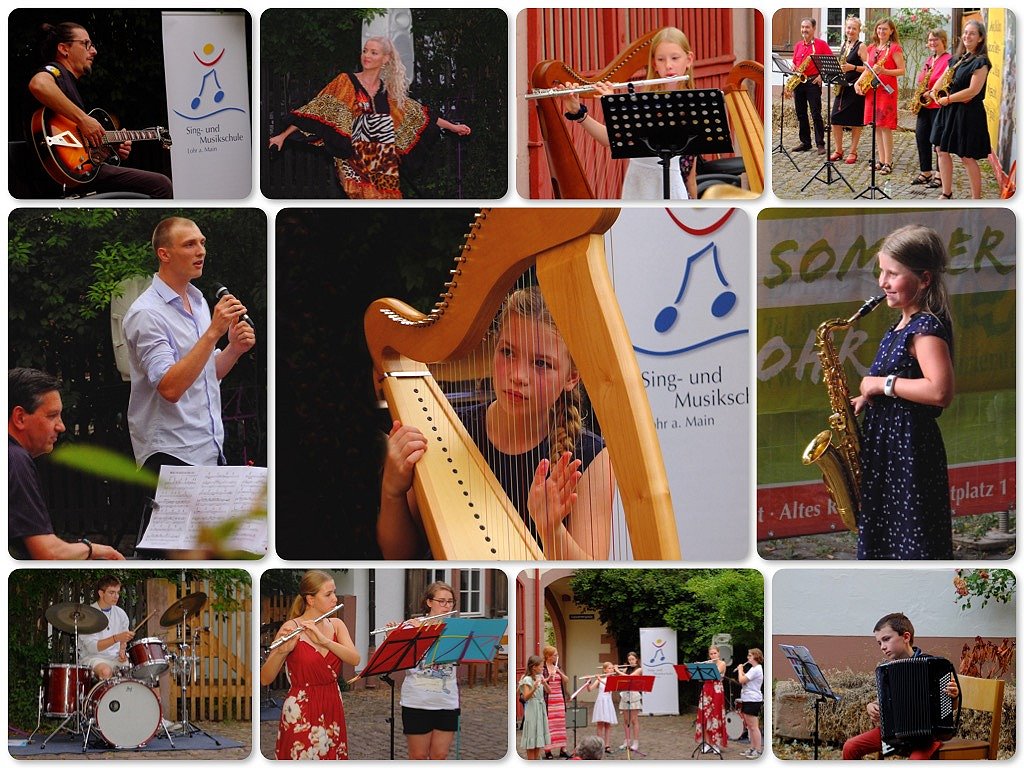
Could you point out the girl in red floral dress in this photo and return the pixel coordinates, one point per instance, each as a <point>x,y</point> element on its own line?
<point>312,716</point>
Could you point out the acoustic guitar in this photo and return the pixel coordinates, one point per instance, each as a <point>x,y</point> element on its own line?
<point>67,159</point>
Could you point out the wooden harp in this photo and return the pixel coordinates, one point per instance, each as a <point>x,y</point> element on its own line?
<point>568,177</point>
<point>465,512</point>
<point>568,174</point>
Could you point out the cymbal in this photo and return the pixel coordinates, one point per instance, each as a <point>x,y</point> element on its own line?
<point>190,604</point>
<point>65,616</point>
<point>270,626</point>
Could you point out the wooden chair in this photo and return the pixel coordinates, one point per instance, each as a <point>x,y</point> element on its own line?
<point>983,696</point>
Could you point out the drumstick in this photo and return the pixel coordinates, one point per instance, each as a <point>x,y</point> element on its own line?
<point>144,620</point>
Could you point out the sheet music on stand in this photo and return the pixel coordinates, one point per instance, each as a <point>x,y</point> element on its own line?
<point>782,66</point>
<point>191,499</point>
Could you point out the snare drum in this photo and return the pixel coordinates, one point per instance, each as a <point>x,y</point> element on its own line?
<point>62,684</point>
<point>125,713</point>
<point>148,657</point>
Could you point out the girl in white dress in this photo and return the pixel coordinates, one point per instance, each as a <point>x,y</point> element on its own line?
<point>604,716</point>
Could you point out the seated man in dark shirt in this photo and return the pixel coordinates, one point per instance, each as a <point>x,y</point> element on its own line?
<point>69,53</point>
<point>33,426</point>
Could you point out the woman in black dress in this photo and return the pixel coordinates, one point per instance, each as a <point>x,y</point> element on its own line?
<point>962,126</point>
<point>848,105</point>
<point>905,511</point>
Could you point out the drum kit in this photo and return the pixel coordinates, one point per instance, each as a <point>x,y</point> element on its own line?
<point>123,710</point>
<point>267,632</point>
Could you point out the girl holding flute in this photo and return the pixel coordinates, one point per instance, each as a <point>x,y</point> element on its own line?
<point>430,692</point>
<point>604,708</point>
<point>670,56</point>
<point>630,704</point>
<point>533,693</point>
<point>312,716</point>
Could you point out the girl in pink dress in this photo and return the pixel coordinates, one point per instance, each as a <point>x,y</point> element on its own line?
<point>555,678</point>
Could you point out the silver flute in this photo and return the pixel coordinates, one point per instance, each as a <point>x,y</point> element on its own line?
<point>299,631</point>
<point>421,619</point>
<point>544,93</point>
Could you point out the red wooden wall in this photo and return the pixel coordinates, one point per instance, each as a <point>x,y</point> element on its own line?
<point>588,39</point>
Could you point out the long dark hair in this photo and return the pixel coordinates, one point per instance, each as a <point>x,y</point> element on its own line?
<point>50,36</point>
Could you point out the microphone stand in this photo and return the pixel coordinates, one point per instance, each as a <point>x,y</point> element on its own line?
<point>873,190</point>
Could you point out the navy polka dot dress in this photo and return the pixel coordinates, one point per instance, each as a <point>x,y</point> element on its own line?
<point>905,512</point>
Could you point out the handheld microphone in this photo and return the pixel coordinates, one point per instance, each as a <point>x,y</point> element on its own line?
<point>220,291</point>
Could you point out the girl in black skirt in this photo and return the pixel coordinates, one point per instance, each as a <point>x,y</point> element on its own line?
<point>962,126</point>
<point>848,105</point>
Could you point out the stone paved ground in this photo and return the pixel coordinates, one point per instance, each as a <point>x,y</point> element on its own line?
<point>484,724</point>
<point>667,737</point>
<point>843,546</point>
<point>237,731</point>
<point>788,180</point>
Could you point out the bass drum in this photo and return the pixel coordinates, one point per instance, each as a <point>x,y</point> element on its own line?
<point>733,725</point>
<point>125,713</point>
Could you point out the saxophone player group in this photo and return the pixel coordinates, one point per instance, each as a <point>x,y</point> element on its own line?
<point>949,100</point>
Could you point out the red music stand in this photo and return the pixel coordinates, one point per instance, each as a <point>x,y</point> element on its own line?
<point>700,672</point>
<point>620,683</point>
<point>402,648</point>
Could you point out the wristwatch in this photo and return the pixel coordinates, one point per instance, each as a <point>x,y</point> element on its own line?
<point>890,382</point>
<point>89,545</point>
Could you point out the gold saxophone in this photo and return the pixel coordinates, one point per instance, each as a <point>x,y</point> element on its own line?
<point>798,77</point>
<point>942,86</point>
<point>867,78</point>
<point>921,98</point>
<point>843,53</point>
<point>836,450</point>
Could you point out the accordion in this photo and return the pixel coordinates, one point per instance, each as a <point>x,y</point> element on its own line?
<point>915,708</point>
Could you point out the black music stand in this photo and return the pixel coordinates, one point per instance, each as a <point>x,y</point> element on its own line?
<point>700,672</point>
<point>830,73</point>
<point>873,190</point>
<point>666,124</point>
<point>813,681</point>
<point>783,68</point>
<point>620,683</point>
<point>401,649</point>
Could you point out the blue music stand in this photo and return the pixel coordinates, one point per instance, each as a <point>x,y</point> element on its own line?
<point>467,641</point>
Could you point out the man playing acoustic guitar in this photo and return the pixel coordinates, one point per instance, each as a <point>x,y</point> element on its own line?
<point>69,54</point>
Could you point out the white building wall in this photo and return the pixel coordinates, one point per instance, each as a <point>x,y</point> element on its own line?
<point>849,602</point>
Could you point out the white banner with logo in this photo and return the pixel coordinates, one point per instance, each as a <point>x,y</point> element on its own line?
<point>205,68</point>
<point>658,657</point>
<point>682,279</point>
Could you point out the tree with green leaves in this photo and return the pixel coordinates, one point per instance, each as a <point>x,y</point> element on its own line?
<point>698,603</point>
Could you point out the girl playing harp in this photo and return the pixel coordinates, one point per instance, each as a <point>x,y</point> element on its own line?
<point>556,472</point>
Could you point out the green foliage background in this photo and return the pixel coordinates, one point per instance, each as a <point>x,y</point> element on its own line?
<point>30,592</point>
<point>461,74</point>
<point>698,603</point>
